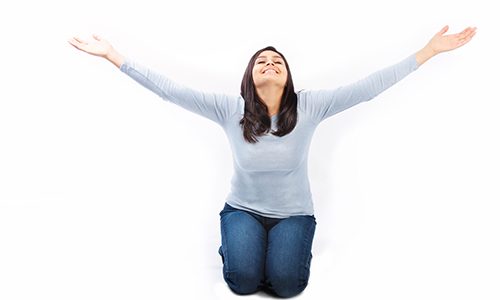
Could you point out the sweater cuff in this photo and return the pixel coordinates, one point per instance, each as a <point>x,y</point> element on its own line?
<point>125,65</point>
<point>414,63</point>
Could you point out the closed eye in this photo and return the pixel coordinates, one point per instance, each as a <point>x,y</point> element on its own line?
<point>276,62</point>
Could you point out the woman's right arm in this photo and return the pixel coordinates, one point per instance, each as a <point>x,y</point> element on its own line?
<point>214,106</point>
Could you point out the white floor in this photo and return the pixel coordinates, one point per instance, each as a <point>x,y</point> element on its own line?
<point>111,253</point>
<point>221,291</point>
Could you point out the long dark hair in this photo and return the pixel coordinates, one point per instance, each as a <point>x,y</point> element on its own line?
<point>256,121</point>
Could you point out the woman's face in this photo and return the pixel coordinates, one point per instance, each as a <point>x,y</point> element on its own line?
<point>269,69</point>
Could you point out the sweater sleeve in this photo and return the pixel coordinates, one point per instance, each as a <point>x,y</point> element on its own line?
<point>214,106</point>
<point>322,104</point>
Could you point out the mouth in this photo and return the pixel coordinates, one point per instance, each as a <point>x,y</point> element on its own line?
<point>268,71</point>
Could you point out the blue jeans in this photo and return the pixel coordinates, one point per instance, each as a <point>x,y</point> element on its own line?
<point>269,254</point>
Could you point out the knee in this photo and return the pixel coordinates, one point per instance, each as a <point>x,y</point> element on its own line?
<point>243,282</point>
<point>287,285</point>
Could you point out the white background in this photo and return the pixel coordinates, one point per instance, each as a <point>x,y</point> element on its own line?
<point>109,192</point>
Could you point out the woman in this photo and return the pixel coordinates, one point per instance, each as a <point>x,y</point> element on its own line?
<point>268,223</point>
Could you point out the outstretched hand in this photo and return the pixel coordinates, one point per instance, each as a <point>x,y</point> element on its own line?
<point>441,43</point>
<point>97,46</point>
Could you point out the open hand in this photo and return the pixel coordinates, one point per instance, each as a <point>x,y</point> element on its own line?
<point>97,46</point>
<point>441,43</point>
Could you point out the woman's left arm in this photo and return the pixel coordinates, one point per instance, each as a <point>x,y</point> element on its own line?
<point>323,103</point>
<point>442,43</point>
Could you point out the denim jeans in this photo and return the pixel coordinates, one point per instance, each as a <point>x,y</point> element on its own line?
<point>269,254</point>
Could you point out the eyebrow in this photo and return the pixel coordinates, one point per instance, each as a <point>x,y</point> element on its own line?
<point>273,56</point>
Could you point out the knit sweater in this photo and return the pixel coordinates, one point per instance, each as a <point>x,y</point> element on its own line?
<point>270,177</point>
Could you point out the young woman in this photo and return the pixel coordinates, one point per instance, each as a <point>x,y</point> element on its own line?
<point>268,223</point>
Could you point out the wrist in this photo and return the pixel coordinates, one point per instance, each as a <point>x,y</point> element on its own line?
<point>425,54</point>
<point>116,58</point>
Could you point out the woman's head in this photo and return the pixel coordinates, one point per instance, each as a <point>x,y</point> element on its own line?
<point>264,59</point>
<point>267,67</point>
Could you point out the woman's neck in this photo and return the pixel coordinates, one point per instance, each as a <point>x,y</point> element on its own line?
<point>272,98</point>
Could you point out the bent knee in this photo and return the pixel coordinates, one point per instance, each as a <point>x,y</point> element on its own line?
<point>287,286</point>
<point>243,282</point>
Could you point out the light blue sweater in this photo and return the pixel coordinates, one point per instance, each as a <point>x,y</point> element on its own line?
<point>270,177</point>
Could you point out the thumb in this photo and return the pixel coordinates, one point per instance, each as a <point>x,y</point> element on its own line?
<point>96,37</point>
<point>443,30</point>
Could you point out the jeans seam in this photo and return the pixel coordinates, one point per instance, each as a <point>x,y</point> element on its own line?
<point>307,255</point>
<point>225,263</point>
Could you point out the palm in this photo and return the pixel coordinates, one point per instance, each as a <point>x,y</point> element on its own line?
<point>441,43</point>
<point>96,46</point>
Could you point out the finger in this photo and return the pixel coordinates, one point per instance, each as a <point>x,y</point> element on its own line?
<point>80,40</point>
<point>462,33</point>
<point>443,30</point>
<point>466,31</point>
<point>470,32</point>
<point>96,37</point>
<point>74,43</point>
<point>466,40</point>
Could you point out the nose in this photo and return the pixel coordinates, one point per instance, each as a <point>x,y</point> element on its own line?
<point>269,62</point>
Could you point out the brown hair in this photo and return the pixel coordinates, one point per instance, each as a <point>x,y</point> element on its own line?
<point>256,121</point>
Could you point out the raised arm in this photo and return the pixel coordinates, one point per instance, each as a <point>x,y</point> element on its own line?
<point>214,106</point>
<point>321,104</point>
<point>324,103</point>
